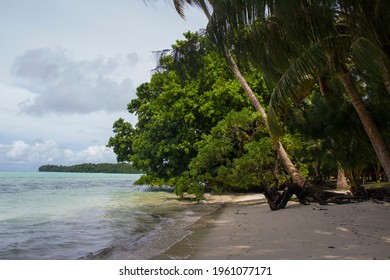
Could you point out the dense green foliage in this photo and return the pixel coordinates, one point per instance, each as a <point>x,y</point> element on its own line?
<point>183,101</point>
<point>326,69</point>
<point>333,135</point>
<point>334,46</point>
<point>237,155</point>
<point>91,168</point>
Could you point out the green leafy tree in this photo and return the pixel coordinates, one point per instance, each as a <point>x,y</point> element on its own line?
<point>174,110</point>
<point>122,141</point>
<point>333,137</point>
<point>288,164</point>
<point>302,45</point>
<point>237,155</point>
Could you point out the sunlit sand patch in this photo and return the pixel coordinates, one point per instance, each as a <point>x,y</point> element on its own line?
<point>323,232</point>
<point>386,239</point>
<point>342,229</point>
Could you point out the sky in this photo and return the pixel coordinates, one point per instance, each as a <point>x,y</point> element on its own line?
<point>68,69</point>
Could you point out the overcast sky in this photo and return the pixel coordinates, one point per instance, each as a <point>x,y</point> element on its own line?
<point>68,68</point>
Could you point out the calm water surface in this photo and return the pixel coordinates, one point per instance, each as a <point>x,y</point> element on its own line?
<point>79,215</point>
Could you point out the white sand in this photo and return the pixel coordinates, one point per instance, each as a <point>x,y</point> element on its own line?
<point>244,228</point>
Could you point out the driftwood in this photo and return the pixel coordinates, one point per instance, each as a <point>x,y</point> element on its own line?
<point>278,198</point>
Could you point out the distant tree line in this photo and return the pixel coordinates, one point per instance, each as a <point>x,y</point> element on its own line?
<point>91,168</point>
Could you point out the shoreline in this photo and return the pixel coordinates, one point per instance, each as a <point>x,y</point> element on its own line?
<point>244,227</point>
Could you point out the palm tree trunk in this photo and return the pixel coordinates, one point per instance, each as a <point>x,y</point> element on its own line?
<point>369,125</point>
<point>386,75</point>
<point>279,201</point>
<point>287,163</point>
<point>290,167</point>
<point>387,80</point>
<point>387,83</point>
<point>341,179</point>
<point>293,172</point>
<point>252,97</point>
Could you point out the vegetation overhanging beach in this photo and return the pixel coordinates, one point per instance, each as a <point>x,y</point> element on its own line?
<point>274,103</point>
<point>273,97</point>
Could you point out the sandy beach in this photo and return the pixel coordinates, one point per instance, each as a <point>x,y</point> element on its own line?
<point>243,227</point>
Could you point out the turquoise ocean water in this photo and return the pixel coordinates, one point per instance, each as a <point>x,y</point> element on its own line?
<point>87,216</point>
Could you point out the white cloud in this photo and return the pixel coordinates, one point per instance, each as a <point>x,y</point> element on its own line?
<point>49,152</point>
<point>18,148</point>
<point>65,85</point>
<point>76,131</point>
<point>96,154</point>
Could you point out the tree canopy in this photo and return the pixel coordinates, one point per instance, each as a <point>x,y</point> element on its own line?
<point>320,67</point>
<point>183,101</point>
<point>301,44</point>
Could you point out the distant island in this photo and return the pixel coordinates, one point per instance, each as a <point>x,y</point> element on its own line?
<point>91,168</point>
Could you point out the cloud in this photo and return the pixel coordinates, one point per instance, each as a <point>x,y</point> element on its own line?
<point>64,85</point>
<point>49,152</point>
<point>18,148</point>
<point>132,59</point>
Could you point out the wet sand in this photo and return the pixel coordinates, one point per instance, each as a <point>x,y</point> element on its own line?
<point>243,227</point>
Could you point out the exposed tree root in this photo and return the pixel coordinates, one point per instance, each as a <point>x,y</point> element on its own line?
<point>278,199</point>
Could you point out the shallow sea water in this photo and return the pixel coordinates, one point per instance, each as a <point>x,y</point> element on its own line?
<point>88,216</point>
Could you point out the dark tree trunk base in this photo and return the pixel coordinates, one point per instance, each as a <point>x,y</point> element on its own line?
<point>311,194</point>
<point>277,200</point>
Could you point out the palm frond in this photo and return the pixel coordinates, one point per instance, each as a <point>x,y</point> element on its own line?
<point>180,5</point>
<point>370,57</point>
<point>295,84</point>
<point>183,53</point>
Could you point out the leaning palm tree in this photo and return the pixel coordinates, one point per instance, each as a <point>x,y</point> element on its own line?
<point>369,24</point>
<point>339,51</point>
<point>291,169</point>
<point>298,43</point>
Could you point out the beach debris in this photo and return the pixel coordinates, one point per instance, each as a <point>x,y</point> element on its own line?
<point>240,213</point>
<point>278,197</point>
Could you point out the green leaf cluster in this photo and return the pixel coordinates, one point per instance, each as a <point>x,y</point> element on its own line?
<point>237,155</point>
